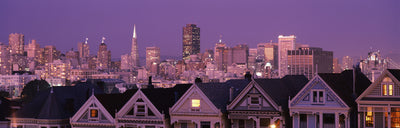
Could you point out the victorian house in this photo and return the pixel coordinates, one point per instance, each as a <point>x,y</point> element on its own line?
<point>135,108</point>
<point>148,108</point>
<point>51,108</point>
<point>379,105</point>
<point>263,103</point>
<point>196,109</point>
<point>326,101</point>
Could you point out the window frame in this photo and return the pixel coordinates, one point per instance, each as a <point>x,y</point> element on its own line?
<point>195,108</point>
<point>388,88</point>
<point>318,98</point>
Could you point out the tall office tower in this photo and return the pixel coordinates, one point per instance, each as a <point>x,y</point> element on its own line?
<point>5,63</point>
<point>83,49</point>
<point>51,54</point>
<point>152,59</point>
<point>239,55</point>
<point>285,43</point>
<point>336,66</point>
<point>191,41</point>
<point>252,58</point>
<point>134,52</point>
<point>220,52</point>
<point>347,63</point>
<point>72,55</point>
<point>125,65</point>
<point>308,61</point>
<point>16,42</point>
<point>271,54</point>
<point>103,56</point>
<point>33,49</point>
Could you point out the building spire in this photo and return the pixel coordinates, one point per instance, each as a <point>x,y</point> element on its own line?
<point>134,31</point>
<point>220,39</point>
<point>102,40</point>
<point>86,40</point>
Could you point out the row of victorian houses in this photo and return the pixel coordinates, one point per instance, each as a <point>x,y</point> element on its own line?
<point>328,100</point>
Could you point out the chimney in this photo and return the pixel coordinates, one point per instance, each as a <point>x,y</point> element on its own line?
<point>198,80</point>
<point>150,85</point>
<point>231,94</point>
<point>247,76</point>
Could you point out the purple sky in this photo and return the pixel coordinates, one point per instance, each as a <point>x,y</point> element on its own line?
<point>347,27</point>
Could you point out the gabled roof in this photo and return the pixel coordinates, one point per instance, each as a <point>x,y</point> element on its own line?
<point>342,84</point>
<point>395,73</point>
<point>51,109</point>
<point>161,98</point>
<point>164,98</point>
<point>68,98</point>
<point>218,93</point>
<point>114,102</point>
<point>281,89</point>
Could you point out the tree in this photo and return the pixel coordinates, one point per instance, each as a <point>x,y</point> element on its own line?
<point>32,88</point>
<point>4,94</point>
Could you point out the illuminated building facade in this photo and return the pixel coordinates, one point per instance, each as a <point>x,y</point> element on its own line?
<point>191,40</point>
<point>16,42</point>
<point>103,57</point>
<point>309,60</point>
<point>56,69</point>
<point>51,54</point>
<point>347,63</point>
<point>285,43</point>
<point>153,59</point>
<point>134,52</point>
<point>83,49</point>
<point>5,63</point>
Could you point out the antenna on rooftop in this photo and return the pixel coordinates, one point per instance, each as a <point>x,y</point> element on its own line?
<point>102,40</point>
<point>86,40</point>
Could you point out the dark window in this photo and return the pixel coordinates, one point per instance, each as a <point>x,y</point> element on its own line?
<point>241,123</point>
<point>303,120</point>
<point>204,124</point>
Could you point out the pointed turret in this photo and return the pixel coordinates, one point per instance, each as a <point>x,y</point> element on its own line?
<point>134,31</point>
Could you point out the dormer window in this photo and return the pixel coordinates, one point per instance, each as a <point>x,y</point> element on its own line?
<point>195,105</point>
<point>318,96</point>
<point>387,87</point>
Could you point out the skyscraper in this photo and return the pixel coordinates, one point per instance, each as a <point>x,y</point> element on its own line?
<point>285,43</point>
<point>309,60</point>
<point>134,51</point>
<point>103,56</point>
<point>220,52</point>
<point>152,59</point>
<point>191,41</point>
<point>347,63</point>
<point>5,63</point>
<point>16,42</point>
<point>83,49</point>
<point>51,54</point>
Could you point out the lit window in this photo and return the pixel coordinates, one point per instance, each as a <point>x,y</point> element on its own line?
<point>384,90</point>
<point>387,89</point>
<point>94,113</point>
<point>195,105</point>
<point>369,118</point>
<point>318,96</point>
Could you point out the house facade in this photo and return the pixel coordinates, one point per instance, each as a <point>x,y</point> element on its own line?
<point>318,106</point>
<point>139,112</point>
<point>195,110</point>
<point>253,107</point>
<point>92,114</point>
<point>379,105</point>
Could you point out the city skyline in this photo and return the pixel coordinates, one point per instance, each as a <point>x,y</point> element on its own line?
<point>346,28</point>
